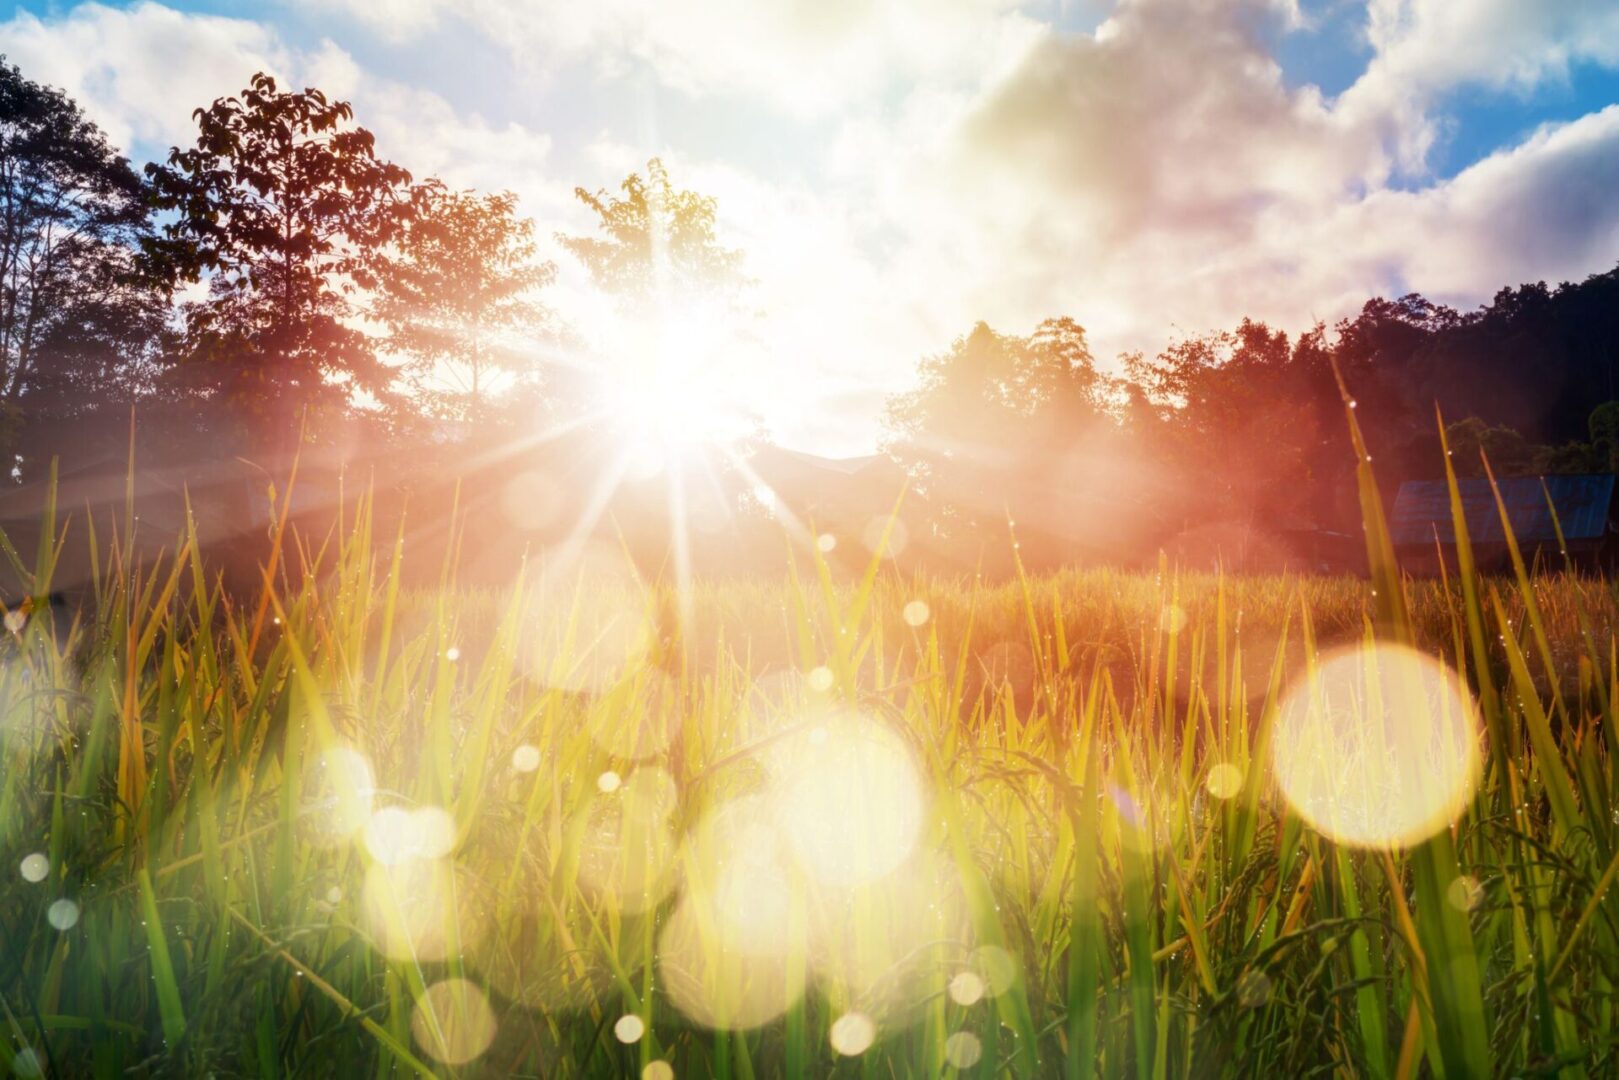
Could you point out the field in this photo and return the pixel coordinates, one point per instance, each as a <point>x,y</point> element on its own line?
<point>885,827</point>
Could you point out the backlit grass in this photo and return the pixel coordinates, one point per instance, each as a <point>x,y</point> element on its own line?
<point>584,827</point>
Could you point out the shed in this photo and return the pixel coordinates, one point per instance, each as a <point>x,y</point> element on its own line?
<point>1583,506</point>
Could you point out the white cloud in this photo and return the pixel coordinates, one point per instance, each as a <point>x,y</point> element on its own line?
<point>140,71</point>
<point>808,56</point>
<point>1424,49</point>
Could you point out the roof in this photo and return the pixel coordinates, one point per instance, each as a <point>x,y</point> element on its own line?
<point>1422,509</point>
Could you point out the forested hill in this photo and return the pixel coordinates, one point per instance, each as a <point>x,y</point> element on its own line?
<point>1535,359</point>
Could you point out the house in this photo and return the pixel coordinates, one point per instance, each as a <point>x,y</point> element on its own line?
<point>1537,508</point>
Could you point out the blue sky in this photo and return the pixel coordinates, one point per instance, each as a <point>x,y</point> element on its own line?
<point>897,170</point>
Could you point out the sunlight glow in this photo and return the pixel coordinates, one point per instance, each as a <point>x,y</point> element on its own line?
<point>850,801</point>
<point>673,387</point>
<point>1378,746</point>
<point>724,955</point>
<point>395,835</point>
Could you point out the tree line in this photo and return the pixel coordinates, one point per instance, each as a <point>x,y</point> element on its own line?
<point>278,276</point>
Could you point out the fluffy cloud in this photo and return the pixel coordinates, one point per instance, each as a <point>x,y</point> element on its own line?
<point>1162,175</point>
<point>140,71</point>
<point>1424,49</point>
<point>808,56</point>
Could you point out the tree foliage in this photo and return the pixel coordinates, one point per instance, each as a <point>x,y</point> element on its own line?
<point>458,293</point>
<point>281,204</point>
<point>654,237</point>
<point>76,326</point>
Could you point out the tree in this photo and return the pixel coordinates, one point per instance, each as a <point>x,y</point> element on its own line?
<point>282,205</point>
<point>458,296</point>
<point>76,325</point>
<point>655,238</point>
<point>1472,440</point>
<point>1246,413</point>
<point>993,419</point>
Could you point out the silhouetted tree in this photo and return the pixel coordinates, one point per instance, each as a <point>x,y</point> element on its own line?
<point>77,329</point>
<point>1246,411</point>
<point>458,293</point>
<point>280,205</point>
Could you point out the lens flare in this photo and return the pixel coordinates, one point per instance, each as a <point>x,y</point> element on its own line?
<point>916,613</point>
<point>1377,746</point>
<point>850,800</point>
<point>963,1050</point>
<point>34,868</point>
<point>629,1028</point>
<point>422,909</point>
<point>629,848</point>
<point>453,1022</point>
<point>395,835</point>
<point>852,1034</point>
<point>1224,780</point>
<point>887,947</point>
<point>966,988</point>
<point>725,954</point>
<point>339,791</point>
<point>63,914</point>
<point>1465,893</point>
<point>996,967</point>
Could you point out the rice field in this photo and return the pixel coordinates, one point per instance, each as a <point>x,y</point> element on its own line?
<point>1091,824</point>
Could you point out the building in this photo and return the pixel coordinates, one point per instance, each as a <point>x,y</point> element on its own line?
<point>1537,508</point>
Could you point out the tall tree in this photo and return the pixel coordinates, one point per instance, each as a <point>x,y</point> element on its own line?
<point>76,326</point>
<point>654,237</point>
<point>458,295</point>
<point>281,205</point>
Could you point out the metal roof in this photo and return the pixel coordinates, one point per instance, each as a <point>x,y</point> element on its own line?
<point>1422,509</point>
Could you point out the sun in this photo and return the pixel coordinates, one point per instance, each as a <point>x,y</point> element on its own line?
<point>672,389</point>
